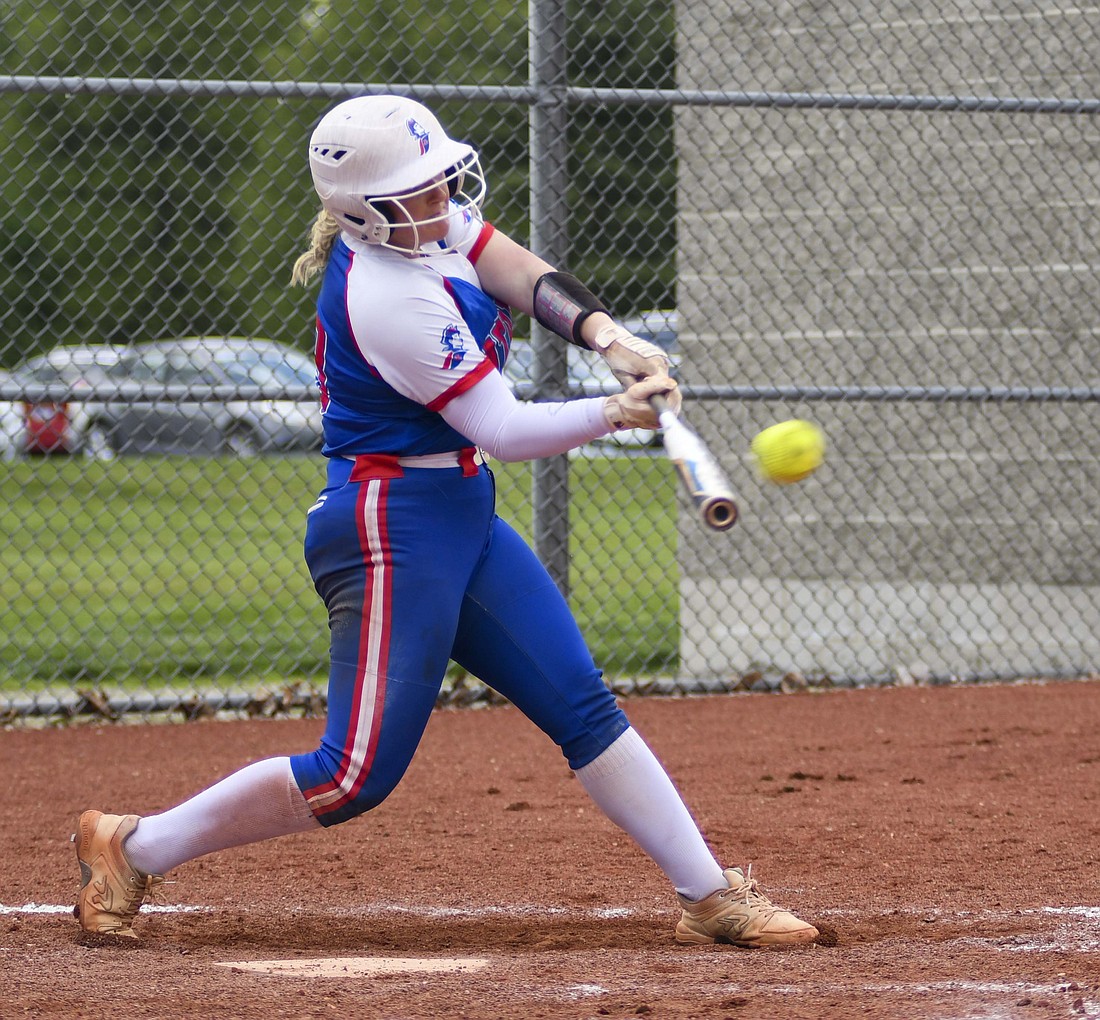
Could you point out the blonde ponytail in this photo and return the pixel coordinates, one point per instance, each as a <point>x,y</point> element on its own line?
<point>322,237</point>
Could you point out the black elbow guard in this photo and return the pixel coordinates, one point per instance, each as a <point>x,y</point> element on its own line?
<point>562,303</point>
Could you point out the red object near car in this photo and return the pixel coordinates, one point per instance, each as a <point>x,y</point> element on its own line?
<point>59,426</point>
<point>47,428</point>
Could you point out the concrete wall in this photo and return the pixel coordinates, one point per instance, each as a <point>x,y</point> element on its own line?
<point>849,248</point>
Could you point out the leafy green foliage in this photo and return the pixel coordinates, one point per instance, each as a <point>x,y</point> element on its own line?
<point>134,216</point>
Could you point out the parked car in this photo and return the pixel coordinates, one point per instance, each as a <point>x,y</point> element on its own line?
<point>590,374</point>
<point>62,426</point>
<point>13,430</point>
<point>244,428</point>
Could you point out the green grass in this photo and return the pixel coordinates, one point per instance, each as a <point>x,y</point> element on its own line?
<point>149,572</point>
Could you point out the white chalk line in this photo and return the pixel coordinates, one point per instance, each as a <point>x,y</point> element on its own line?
<point>1077,929</point>
<point>67,908</point>
<point>1077,932</point>
<point>369,909</point>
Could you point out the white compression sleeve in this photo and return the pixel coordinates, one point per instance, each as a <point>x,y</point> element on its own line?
<point>631,787</point>
<point>258,802</point>
<point>489,415</point>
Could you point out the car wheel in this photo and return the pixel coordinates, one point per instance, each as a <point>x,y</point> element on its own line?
<point>242,442</point>
<point>97,443</point>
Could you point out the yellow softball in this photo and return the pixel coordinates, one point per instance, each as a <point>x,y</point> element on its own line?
<point>789,451</point>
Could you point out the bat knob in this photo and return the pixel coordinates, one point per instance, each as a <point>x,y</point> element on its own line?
<point>719,514</point>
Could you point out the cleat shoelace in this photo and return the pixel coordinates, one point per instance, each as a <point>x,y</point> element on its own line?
<point>153,890</point>
<point>749,893</point>
<point>142,890</point>
<point>147,890</point>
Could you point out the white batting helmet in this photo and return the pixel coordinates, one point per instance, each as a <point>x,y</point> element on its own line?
<point>379,149</point>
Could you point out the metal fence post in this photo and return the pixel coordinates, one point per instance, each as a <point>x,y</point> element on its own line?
<point>549,238</point>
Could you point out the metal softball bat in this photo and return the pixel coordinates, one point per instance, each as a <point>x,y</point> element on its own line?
<point>704,480</point>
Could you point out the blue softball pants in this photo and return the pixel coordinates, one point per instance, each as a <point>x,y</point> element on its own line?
<point>415,569</point>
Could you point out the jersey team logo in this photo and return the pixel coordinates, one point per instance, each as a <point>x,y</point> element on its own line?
<point>451,341</point>
<point>419,134</point>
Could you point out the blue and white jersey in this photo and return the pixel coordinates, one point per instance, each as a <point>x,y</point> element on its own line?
<point>398,337</point>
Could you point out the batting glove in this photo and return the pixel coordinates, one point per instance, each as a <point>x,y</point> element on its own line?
<point>631,409</point>
<point>631,358</point>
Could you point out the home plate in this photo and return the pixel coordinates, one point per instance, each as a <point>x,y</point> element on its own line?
<point>361,966</point>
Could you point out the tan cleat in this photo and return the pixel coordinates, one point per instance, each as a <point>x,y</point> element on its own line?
<point>742,916</point>
<point>111,891</point>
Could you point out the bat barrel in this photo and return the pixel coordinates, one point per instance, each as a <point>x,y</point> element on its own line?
<point>699,472</point>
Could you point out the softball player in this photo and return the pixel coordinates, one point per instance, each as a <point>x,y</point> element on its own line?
<point>404,546</point>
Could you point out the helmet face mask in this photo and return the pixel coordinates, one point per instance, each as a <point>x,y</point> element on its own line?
<point>368,154</point>
<point>392,210</point>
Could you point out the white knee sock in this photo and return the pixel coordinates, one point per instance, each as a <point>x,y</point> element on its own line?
<point>258,802</point>
<point>631,787</point>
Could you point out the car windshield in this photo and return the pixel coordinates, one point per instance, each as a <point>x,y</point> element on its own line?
<point>72,372</point>
<point>264,368</point>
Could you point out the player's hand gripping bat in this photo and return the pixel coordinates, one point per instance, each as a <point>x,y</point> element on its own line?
<point>703,479</point>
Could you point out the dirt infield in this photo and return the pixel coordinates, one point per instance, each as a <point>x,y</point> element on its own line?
<point>946,840</point>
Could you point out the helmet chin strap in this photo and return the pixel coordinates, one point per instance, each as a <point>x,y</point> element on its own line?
<point>387,210</point>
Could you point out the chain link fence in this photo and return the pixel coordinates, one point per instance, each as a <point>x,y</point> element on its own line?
<point>880,218</point>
